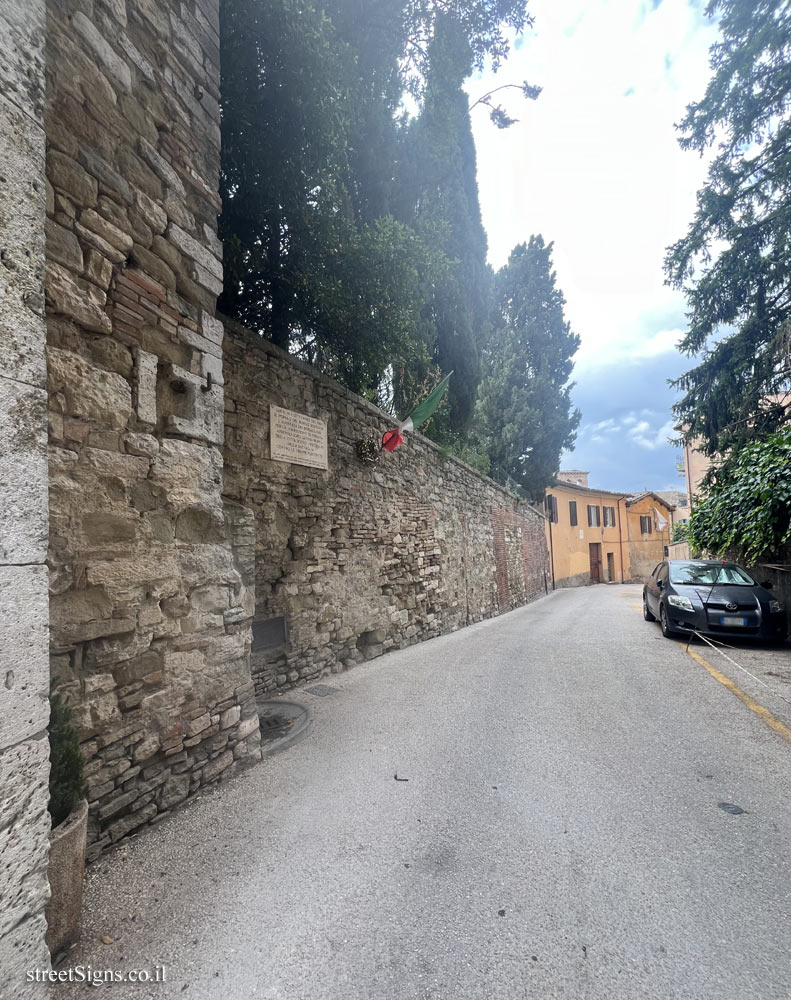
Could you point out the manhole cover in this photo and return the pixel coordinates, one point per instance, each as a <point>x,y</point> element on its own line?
<point>275,724</point>
<point>322,690</point>
<point>282,723</point>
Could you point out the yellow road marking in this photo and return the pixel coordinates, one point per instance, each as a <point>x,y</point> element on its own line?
<point>763,713</point>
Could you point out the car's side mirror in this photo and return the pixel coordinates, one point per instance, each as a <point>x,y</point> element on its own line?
<point>659,584</point>
<point>767,584</point>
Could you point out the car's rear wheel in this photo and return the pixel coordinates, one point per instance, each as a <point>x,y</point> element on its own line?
<point>646,613</point>
<point>664,621</point>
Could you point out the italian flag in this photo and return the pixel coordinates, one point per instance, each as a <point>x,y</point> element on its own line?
<point>392,439</point>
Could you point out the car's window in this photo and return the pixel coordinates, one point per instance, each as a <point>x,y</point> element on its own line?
<point>662,574</point>
<point>708,574</point>
<point>655,571</point>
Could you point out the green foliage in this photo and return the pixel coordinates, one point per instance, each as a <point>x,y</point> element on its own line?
<point>66,784</point>
<point>487,26</point>
<point>336,248</point>
<point>747,509</point>
<point>523,417</point>
<point>680,532</point>
<point>735,261</point>
<point>442,190</point>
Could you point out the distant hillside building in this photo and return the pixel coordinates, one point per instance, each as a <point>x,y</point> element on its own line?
<point>680,500</point>
<point>575,476</point>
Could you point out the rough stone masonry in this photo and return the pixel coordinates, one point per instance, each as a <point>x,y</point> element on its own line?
<point>24,668</point>
<point>361,558</point>
<point>150,602</point>
<point>172,541</point>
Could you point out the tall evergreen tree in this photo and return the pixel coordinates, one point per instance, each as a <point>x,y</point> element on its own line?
<point>311,262</point>
<point>524,417</point>
<point>735,261</point>
<point>443,197</point>
<point>312,138</point>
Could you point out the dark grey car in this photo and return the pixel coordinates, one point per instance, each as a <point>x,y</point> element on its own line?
<point>713,598</point>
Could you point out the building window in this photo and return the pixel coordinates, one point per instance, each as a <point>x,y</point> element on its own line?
<point>609,517</point>
<point>552,508</point>
<point>572,512</point>
<point>594,516</point>
<point>645,524</point>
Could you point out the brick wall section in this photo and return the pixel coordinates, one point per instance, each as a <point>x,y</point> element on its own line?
<point>150,601</point>
<point>24,666</point>
<point>362,559</point>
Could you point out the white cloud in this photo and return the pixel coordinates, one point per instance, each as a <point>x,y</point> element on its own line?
<point>642,434</point>
<point>600,173</point>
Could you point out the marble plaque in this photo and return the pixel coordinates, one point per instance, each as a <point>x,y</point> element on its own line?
<point>295,437</point>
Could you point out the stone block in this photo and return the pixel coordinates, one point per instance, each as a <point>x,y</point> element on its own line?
<point>89,238</point>
<point>23,473</point>
<point>22,57</point>
<point>196,726</point>
<point>76,298</point>
<point>137,668</point>
<point>210,598</point>
<point>63,246</point>
<point>230,717</point>
<point>215,767</point>
<point>102,49</point>
<point>248,726</point>
<point>153,265</point>
<point>141,444</point>
<point>66,174</point>
<point>137,58</point>
<point>108,353</point>
<point>212,328</point>
<point>107,176</point>
<point>146,385</point>
<point>90,393</point>
<point>24,830</point>
<point>146,749</point>
<point>98,269</point>
<point>131,822</point>
<point>22,236</point>
<point>175,790</point>
<point>24,848</point>
<point>139,175</point>
<point>24,660</point>
<point>161,167</point>
<point>97,224</point>
<point>195,250</point>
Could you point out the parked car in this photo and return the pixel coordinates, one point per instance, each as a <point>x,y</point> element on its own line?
<point>714,598</point>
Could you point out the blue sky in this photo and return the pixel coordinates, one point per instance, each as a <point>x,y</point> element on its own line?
<point>594,166</point>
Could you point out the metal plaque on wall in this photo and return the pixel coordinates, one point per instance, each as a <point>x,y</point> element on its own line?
<point>295,437</point>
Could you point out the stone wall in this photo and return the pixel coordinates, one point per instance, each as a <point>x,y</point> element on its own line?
<point>24,670</point>
<point>361,558</point>
<point>150,602</point>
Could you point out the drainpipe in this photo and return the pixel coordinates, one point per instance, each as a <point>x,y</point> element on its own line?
<point>620,539</point>
<point>551,553</point>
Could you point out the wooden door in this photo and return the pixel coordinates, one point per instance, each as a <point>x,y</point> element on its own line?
<point>610,566</point>
<point>595,557</point>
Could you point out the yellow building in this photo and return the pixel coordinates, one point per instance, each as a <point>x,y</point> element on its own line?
<point>586,535</point>
<point>649,520</point>
<point>598,536</point>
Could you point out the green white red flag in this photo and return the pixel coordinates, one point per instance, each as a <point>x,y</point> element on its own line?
<point>393,438</point>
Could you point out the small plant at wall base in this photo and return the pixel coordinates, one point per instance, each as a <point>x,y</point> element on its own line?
<point>66,780</point>
<point>747,509</point>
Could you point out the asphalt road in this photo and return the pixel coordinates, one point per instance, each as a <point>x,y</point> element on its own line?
<point>560,833</point>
